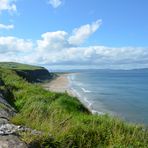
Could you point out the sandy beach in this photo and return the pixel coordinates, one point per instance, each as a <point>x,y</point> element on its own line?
<point>59,84</point>
<point>62,84</point>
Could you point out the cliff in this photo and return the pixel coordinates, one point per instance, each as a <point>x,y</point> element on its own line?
<point>37,75</point>
<point>28,72</point>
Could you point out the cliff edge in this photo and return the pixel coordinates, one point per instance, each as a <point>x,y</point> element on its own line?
<point>28,72</point>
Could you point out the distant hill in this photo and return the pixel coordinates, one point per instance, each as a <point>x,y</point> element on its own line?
<point>29,72</point>
<point>101,70</point>
<point>19,66</point>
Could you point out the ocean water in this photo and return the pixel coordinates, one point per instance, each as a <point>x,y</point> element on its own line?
<point>122,93</point>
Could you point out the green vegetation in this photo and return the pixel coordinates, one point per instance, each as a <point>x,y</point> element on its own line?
<point>18,66</point>
<point>29,72</point>
<point>2,106</point>
<point>64,121</point>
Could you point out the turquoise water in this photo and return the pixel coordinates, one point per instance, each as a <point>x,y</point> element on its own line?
<point>117,92</point>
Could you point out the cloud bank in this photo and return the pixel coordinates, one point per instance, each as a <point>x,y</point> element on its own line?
<point>68,49</point>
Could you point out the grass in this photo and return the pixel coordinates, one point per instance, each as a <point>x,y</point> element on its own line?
<point>29,72</point>
<point>2,106</point>
<point>18,66</point>
<point>64,121</point>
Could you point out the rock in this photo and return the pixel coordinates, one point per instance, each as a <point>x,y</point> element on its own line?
<point>7,129</point>
<point>10,133</point>
<point>5,114</point>
<point>3,101</point>
<point>6,110</point>
<point>37,75</point>
<point>11,141</point>
<point>3,121</point>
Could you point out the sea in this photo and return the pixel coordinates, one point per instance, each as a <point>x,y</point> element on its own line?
<point>121,93</point>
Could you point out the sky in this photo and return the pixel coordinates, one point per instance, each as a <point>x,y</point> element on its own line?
<point>65,34</point>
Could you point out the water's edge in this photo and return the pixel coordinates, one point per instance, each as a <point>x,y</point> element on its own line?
<point>118,99</point>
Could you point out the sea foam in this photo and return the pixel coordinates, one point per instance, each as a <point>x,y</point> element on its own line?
<point>86,91</point>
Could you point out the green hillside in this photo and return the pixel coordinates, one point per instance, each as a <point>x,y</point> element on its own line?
<point>29,72</point>
<point>18,66</point>
<point>63,120</point>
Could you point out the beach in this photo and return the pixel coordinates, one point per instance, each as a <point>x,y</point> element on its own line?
<point>62,84</point>
<point>118,93</point>
<point>59,84</point>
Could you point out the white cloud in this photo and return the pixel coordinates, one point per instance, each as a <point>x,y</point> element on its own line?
<point>96,56</point>
<point>54,48</point>
<point>7,5</point>
<point>52,41</point>
<point>82,33</point>
<point>59,40</point>
<point>13,45</point>
<point>7,27</point>
<point>55,3</point>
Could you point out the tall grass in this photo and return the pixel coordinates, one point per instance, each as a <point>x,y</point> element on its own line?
<point>66,119</point>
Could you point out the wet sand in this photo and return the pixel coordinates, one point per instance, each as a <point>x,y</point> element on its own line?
<point>60,84</point>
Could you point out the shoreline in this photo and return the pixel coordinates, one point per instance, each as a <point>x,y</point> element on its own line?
<point>62,84</point>
<point>58,84</point>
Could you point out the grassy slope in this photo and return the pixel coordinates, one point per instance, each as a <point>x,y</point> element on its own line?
<point>18,66</point>
<point>66,119</point>
<point>29,72</point>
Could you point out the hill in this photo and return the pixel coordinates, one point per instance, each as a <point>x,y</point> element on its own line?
<point>29,72</point>
<point>18,66</point>
<point>31,116</point>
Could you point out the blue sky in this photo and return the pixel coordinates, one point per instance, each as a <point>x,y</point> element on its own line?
<point>78,33</point>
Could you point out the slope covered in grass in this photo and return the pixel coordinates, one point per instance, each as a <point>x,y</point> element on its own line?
<point>64,118</point>
<point>18,66</point>
<point>29,72</point>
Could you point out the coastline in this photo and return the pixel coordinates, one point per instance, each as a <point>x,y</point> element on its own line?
<point>62,84</point>
<point>59,84</point>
